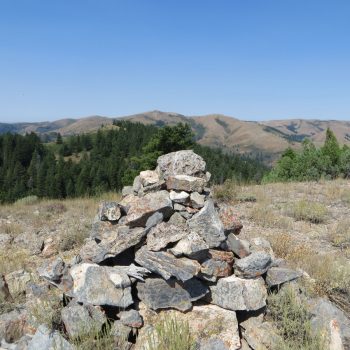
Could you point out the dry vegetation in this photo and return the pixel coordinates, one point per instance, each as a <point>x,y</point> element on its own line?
<point>306,223</point>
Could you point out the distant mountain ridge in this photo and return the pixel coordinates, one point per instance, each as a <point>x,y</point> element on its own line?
<point>268,138</point>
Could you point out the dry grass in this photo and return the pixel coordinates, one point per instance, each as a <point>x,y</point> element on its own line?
<point>305,210</point>
<point>11,228</point>
<point>12,260</point>
<point>264,216</point>
<point>340,234</point>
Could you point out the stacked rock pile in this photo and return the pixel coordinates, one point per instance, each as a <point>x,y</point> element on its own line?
<point>166,245</point>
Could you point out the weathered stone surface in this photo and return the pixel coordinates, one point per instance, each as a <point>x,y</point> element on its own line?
<point>52,270</point>
<point>235,293</point>
<point>159,294</point>
<point>278,275</point>
<point>166,265</point>
<point>154,220</point>
<point>17,281</point>
<point>79,320</point>
<point>259,244</point>
<point>185,183</point>
<point>160,185</point>
<point>221,256</point>
<point>114,241</point>
<point>181,163</point>
<point>101,285</point>
<point>196,289</point>
<point>4,289</point>
<point>206,223</point>
<point>177,219</point>
<point>5,239</point>
<point>148,177</point>
<point>127,190</point>
<point>163,234</point>
<point>197,200</point>
<point>137,185</point>
<point>192,246</point>
<point>120,330</point>
<point>48,340</point>
<point>212,327</point>
<point>179,197</point>
<point>254,265</point>
<point>259,334</point>
<point>109,211</point>
<point>230,220</point>
<point>326,317</point>
<point>131,318</point>
<point>240,247</point>
<point>141,208</point>
<point>13,325</point>
<point>212,269</point>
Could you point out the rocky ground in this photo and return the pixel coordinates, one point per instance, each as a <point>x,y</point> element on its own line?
<point>165,268</point>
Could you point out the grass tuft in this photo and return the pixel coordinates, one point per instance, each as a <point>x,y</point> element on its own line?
<point>313,212</point>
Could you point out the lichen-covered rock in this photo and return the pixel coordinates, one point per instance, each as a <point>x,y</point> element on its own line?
<point>141,208</point>
<point>163,234</point>
<point>230,220</point>
<point>185,183</point>
<point>240,247</point>
<point>159,294</point>
<point>278,275</point>
<point>181,163</point>
<point>79,320</point>
<point>234,293</point>
<point>13,325</point>
<point>110,211</point>
<point>101,285</point>
<point>131,318</point>
<point>166,265</point>
<point>193,246</point>
<point>206,223</point>
<point>213,269</point>
<point>197,200</point>
<point>254,265</point>
<point>258,244</point>
<point>196,289</point>
<point>148,177</point>
<point>17,281</point>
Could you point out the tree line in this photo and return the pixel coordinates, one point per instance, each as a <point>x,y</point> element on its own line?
<point>311,163</point>
<point>109,159</point>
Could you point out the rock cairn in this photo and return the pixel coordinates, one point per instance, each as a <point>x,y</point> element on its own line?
<point>166,246</point>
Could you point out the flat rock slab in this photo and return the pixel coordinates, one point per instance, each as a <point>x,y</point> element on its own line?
<point>101,285</point>
<point>195,288</point>
<point>181,163</point>
<point>278,275</point>
<point>141,208</point>
<point>192,246</point>
<point>131,318</point>
<point>206,223</point>
<point>114,241</point>
<point>166,265</point>
<point>158,294</point>
<point>179,197</point>
<point>254,265</point>
<point>240,247</point>
<point>185,183</point>
<point>235,293</point>
<point>163,234</point>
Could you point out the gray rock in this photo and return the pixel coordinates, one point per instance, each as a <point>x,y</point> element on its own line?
<point>109,211</point>
<point>141,208</point>
<point>154,220</point>
<point>206,223</point>
<point>101,285</point>
<point>80,320</point>
<point>326,317</point>
<point>179,197</point>
<point>278,275</point>
<point>17,281</point>
<point>13,325</point>
<point>228,217</point>
<point>254,265</point>
<point>179,207</point>
<point>131,318</point>
<point>120,330</point>
<point>177,219</point>
<point>240,247</point>
<point>114,241</point>
<point>4,290</point>
<point>44,339</point>
<point>148,177</point>
<point>259,244</point>
<point>163,234</point>
<point>158,294</point>
<point>197,200</point>
<point>166,265</point>
<point>185,183</point>
<point>196,289</point>
<point>181,163</point>
<point>52,270</point>
<point>192,246</point>
<point>152,188</point>
<point>127,190</point>
<point>5,239</point>
<point>137,185</point>
<point>235,293</point>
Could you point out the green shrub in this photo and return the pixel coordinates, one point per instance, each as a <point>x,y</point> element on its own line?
<point>309,211</point>
<point>171,334</point>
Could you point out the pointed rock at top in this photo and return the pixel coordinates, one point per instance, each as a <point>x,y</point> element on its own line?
<point>182,163</point>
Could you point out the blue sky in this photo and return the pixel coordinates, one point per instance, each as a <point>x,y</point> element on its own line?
<point>251,59</point>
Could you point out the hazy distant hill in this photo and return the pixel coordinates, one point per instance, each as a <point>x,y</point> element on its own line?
<point>267,139</point>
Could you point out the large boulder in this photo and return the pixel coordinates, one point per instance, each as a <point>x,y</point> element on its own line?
<point>166,265</point>
<point>234,293</point>
<point>101,285</point>
<point>159,294</point>
<point>181,163</point>
<point>206,223</point>
<point>141,208</point>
